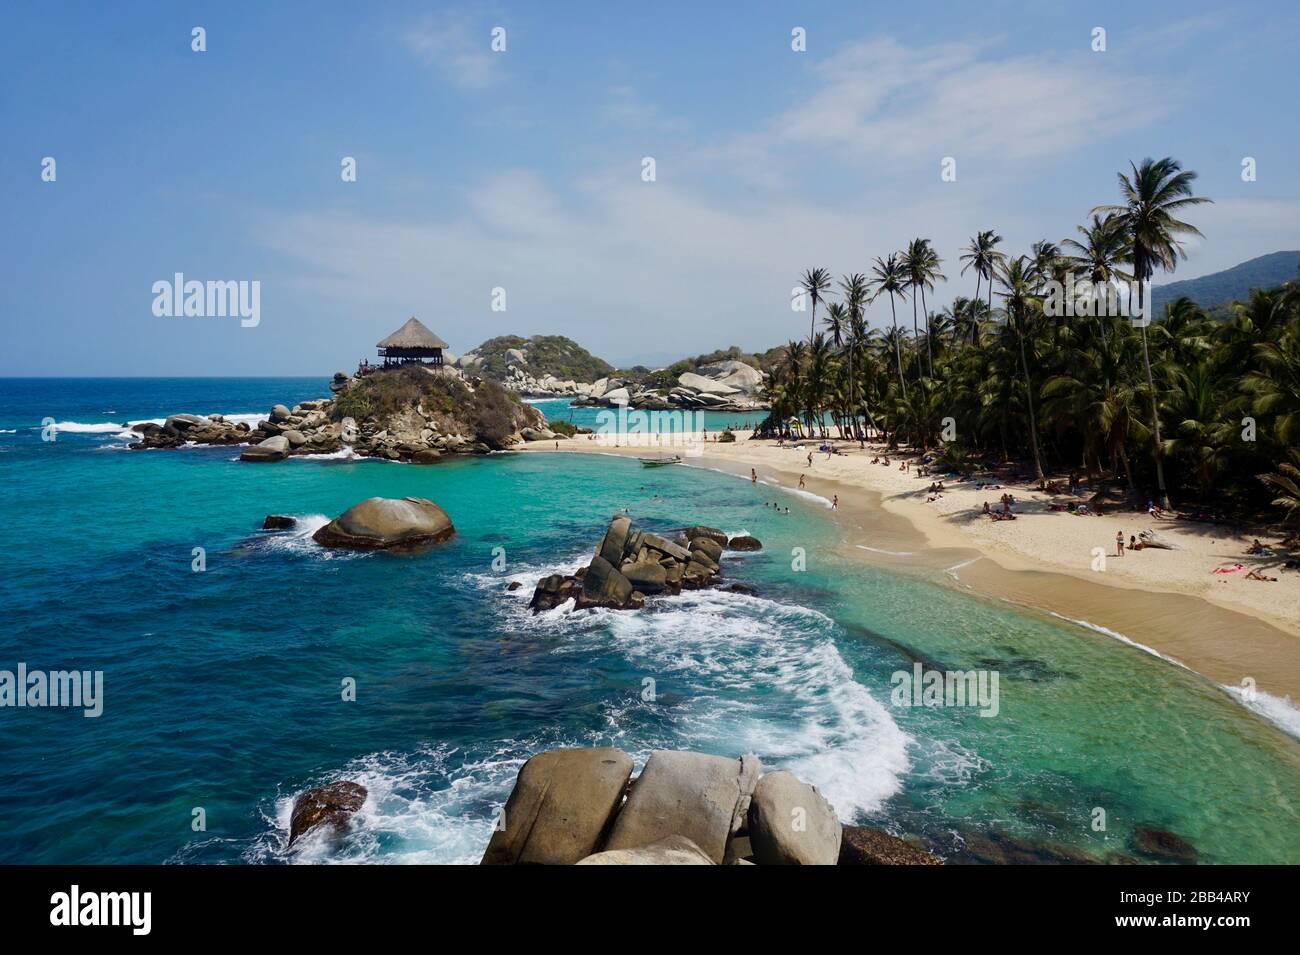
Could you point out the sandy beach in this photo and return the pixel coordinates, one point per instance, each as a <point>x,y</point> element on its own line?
<point>1228,627</point>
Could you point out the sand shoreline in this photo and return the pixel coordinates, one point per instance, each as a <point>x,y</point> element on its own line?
<point>1244,630</point>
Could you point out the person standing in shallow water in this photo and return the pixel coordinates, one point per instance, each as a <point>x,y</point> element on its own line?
<point>835,502</point>
<point>753,476</point>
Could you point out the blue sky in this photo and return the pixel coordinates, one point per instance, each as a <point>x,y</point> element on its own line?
<point>522,169</point>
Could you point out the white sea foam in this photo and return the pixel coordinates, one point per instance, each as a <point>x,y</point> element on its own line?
<point>123,429</point>
<point>888,553</point>
<point>715,649</point>
<point>1279,711</point>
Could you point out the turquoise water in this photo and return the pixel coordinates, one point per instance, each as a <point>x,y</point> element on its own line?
<point>222,689</point>
<point>586,416</point>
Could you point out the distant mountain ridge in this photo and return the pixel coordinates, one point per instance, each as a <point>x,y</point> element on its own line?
<point>1234,284</point>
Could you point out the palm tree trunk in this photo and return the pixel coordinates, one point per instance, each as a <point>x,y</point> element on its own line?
<point>898,352</point>
<point>929,350</point>
<point>916,332</point>
<point>1155,413</point>
<point>812,327</point>
<point>1029,398</point>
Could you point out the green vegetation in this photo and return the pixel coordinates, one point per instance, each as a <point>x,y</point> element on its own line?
<point>493,414</point>
<point>1203,410</point>
<point>388,392</point>
<point>566,428</point>
<point>545,355</point>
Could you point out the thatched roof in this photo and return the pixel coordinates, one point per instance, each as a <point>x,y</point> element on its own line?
<point>412,335</point>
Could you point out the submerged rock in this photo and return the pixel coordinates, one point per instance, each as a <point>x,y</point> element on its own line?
<point>862,845</point>
<point>385,523</point>
<point>1162,844</point>
<point>331,805</point>
<point>278,522</point>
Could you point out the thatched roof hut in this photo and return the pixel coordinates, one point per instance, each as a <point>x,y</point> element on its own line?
<point>411,342</point>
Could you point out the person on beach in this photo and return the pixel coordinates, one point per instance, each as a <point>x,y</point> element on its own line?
<point>1119,543</point>
<point>809,459</point>
<point>835,502</point>
<point>753,476</point>
<point>801,482</point>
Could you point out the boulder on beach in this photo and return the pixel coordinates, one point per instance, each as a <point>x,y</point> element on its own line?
<point>382,522</point>
<point>863,845</point>
<point>791,823</point>
<point>674,850</point>
<point>744,542</point>
<point>538,434</point>
<point>560,808</point>
<point>331,805</point>
<point>274,448</point>
<point>704,798</point>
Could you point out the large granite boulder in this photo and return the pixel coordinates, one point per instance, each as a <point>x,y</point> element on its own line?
<point>615,540</point>
<point>790,823</point>
<point>279,414</point>
<point>710,548</point>
<point>561,807</point>
<point>744,542</point>
<point>666,547</point>
<point>674,850</point>
<point>382,522</point>
<point>274,448</point>
<point>700,530</point>
<point>647,576</point>
<point>706,385</point>
<point>704,798</point>
<point>604,586</point>
<point>331,806</point>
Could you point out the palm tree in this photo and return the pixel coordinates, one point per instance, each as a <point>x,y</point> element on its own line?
<point>1019,280</point>
<point>1158,190</point>
<point>814,282</point>
<point>983,257</point>
<point>890,277</point>
<point>1105,246</point>
<point>854,289</point>
<point>1286,479</point>
<point>921,263</point>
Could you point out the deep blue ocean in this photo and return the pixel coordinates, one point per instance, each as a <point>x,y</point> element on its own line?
<point>223,687</point>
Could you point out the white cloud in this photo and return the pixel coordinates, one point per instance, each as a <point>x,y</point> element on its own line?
<point>462,52</point>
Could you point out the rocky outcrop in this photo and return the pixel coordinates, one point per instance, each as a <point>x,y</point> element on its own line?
<point>862,845</point>
<point>575,806</point>
<point>417,413</point>
<point>790,823</point>
<point>561,808</point>
<point>331,806</point>
<point>720,386</point>
<point>380,523</point>
<point>630,563</point>
<point>744,542</point>
<point>279,522</point>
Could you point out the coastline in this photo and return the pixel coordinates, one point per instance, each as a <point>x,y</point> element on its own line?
<point>1227,636</point>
